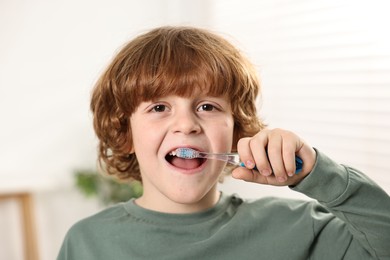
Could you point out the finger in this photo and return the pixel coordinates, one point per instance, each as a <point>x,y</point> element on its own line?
<point>288,154</point>
<point>275,157</point>
<point>243,149</point>
<point>258,146</point>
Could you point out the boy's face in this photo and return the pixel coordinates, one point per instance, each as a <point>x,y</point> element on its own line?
<point>203,123</point>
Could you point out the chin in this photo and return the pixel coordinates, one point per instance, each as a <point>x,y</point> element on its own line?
<point>195,197</point>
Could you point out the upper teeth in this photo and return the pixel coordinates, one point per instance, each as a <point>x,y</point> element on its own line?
<point>173,153</point>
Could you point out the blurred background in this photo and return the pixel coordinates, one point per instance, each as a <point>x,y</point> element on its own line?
<point>324,67</point>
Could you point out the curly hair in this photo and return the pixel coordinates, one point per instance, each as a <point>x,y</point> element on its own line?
<point>168,61</point>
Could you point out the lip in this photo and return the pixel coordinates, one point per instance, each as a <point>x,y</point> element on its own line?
<point>197,148</point>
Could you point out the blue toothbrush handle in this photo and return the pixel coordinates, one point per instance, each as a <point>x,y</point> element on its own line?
<point>298,165</point>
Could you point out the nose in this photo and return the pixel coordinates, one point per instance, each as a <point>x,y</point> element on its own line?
<point>186,122</point>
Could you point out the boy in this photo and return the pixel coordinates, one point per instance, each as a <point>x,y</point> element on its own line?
<point>178,87</point>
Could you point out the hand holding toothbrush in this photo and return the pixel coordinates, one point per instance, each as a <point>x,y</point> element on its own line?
<point>273,152</point>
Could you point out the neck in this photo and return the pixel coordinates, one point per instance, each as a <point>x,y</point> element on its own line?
<point>169,205</point>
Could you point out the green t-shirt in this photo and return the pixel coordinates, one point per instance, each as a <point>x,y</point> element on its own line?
<point>350,219</point>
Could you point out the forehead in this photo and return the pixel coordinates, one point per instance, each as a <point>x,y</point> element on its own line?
<point>193,91</point>
<point>184,80</point>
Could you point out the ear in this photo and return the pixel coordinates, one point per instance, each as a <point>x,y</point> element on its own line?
<point>129,147</point>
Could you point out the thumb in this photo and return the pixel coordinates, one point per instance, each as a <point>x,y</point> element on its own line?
<point>242,173</point>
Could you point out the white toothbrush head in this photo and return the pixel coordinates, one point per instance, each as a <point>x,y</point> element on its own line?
<point>186,153</point>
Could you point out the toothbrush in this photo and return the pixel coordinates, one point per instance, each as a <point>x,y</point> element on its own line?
<point>232,158</point>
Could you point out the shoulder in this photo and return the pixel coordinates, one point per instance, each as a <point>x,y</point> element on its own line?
<point>98,221</point>
<point>279,203</point>
<point>278,207</point>
<point>92,233</point>
<point>284,217</point>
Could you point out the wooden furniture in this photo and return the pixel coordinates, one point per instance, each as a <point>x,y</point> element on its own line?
<point>28,222</point>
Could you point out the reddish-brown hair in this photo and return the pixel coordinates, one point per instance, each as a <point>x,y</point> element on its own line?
<point>167,61</point>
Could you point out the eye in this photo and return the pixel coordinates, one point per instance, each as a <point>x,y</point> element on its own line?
<point>159,108</point>
<point>206,107</point>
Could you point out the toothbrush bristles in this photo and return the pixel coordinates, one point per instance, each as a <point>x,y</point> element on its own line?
<point>186,153</point>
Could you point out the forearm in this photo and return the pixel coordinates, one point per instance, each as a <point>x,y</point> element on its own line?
<point>354,198</point>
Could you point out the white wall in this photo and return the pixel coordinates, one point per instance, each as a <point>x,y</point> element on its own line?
<point>325,72</point>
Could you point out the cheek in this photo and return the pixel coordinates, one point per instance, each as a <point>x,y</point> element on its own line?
<point>141,132</point>
<point>223,133</point>
<point>144,136</point>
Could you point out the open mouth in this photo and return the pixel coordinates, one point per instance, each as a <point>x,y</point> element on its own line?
<point>187,164</point>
